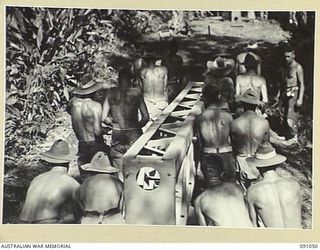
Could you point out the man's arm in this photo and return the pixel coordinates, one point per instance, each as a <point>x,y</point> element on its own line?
<point>77,209</point>
<point>237,65</point>
<point>238,89</point>
<point>165,81</point>
<point>105,111</point>
<point>142,78</point>
<point>231,90</point>
<point>198,132</point>
<point>264,91</point>
<point>259,69</point>
<point>258,65</point>
<point>301,81</point>
<point>97,113</point>
<point>252,210</point>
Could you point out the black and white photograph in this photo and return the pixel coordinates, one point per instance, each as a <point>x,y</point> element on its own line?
<point>192,118</point>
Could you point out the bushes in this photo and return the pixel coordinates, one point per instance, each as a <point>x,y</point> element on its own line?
<point>49,50</point>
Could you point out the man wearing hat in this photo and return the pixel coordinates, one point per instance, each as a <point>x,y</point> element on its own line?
<point>247,132</point>
<point>251,49</point>
<point>218,74</point>
<point>251,80</point>
<point>273,200</point>
<point>174,64</point>
<point>86,111</point>
<point>154,84</point>
<point>52,191</point>
<point>213,126</point>
<point>100,195</point>
<point>222,204</point>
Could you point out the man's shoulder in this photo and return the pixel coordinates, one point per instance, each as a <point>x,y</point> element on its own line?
<point>76,101</point>
<point>241,56</point>
<point>259,78</point>
<point>39,177</point>
<point>241,77</point>
<point>297,65</point>
<point>143,71</point>
<point>261,119</point>
<point>161,69</point>
<point>236,123</point>
<point>91,103</point>
<point>70,180</point>
<point>255,189</point>
<point>237,120</point>
<point>288,183</point>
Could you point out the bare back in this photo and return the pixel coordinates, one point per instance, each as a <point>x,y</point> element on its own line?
<point>86,118</point>
<point>100,192</point>
<point>124,106</point>
<point>276,201</point>
<point>248,131</point>
<point>214,125</point>
<point>46,196</point>
<point>222,205</point>
<point>252,81</point>
<point>154,81</point>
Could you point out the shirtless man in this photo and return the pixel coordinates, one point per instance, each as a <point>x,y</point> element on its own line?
<point>240,67</point>
<point>251,80</point>
<point>213,126</point>
<point>218,74</point>
<point>49,193</point>
<point>273,200</point>
<point>123,103</point>
<point>291,93</point>
<point>86,110</point>
<point>174,64</point>
<point>247,132</point>
<point>222,205</point>
<point>154,85</point>
<point>100,195</point>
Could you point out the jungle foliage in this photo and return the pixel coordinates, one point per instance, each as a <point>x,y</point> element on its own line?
<point>48,51</point>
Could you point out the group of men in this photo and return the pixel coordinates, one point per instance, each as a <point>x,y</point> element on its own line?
<point>234,144</point>
<point>238,163</point>
<point>145,88</point>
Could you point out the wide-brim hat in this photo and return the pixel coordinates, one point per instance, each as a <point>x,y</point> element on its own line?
<point>100,163</point>
<point>58,153</point>
<point>250,97</point>
<point>88,88</point>
<point>266,156</point>
<point>252,45</point>
<point>220,66</point>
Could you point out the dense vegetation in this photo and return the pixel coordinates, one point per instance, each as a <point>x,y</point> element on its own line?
<point>48,51</point>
